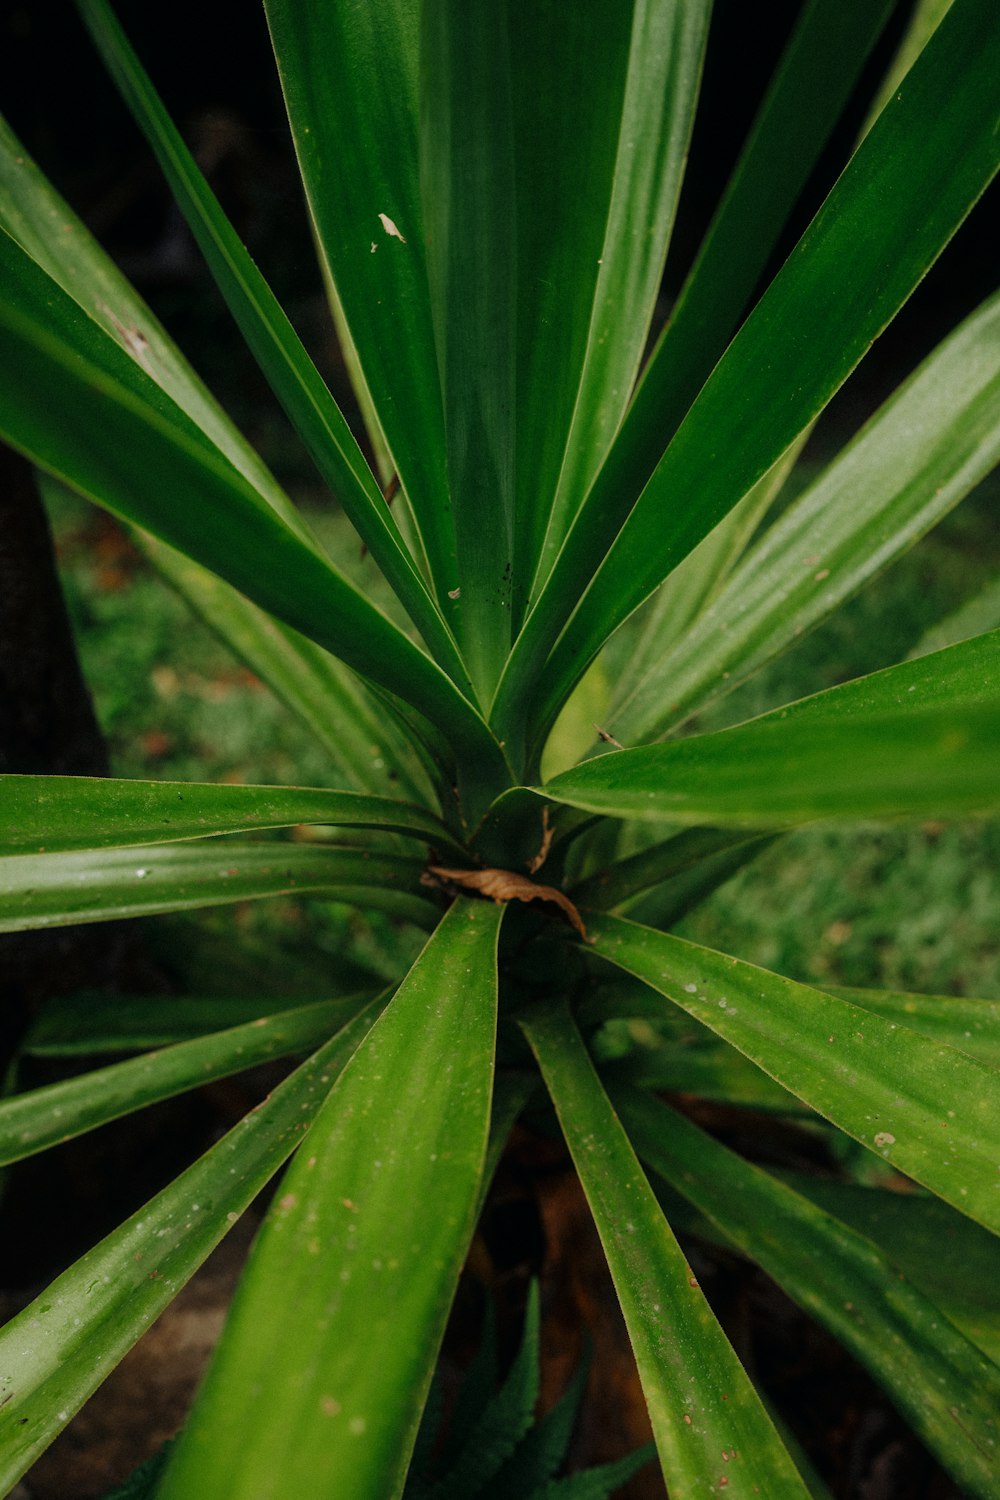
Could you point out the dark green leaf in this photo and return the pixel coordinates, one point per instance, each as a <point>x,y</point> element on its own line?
<point>46,814</point>
<point>274,343</point>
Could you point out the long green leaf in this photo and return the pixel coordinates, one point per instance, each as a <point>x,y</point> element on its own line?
<point>56,890</point>
<point>929,1110</point>
<point>633,110</point>
<point>46,814</point>
<point>912,181</point>
<point>158,470</point>
<point>625,878</point>
<point>707,1420</point>
<point>275,345</point>
<point>55,1353</point>
<point>926,448</point>
<point>336,1325</point>
<point>947,1256</point>
<point>86,1023</point>
<point>811,84</point>
<point>32,212</point>
<point>947,1389</point>
<point>34,1121</point>
<point>350,80</point>
<point>469,214</point>
<point>920,738</point>
<point>973,1026</point>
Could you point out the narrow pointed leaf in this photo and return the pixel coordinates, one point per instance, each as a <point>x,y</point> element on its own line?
<point>925,1108</point>
<point>55,1353</point>
<point>926,448</point>
<point>336,1325</point>
<point>917,739</point>
<point>912,181</point>
<point>34,1121</point>
<point>55,890</point>
<point>951,1259</point>
<point>645,117</point>
<point>46,814</point>
<point>469,210</point>
<point>158,455</point>
<point>32,213</point>
<point>86,1023</point>
<point>811,84</point>
<point>973,1026</point>
<point>945,1387</point>
<point>625,878</point>
<point>707,1420</point>
<point>273,341</point>
<point>350,80</point>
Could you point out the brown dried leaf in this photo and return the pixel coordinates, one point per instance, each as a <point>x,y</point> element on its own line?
<point>507,885</point>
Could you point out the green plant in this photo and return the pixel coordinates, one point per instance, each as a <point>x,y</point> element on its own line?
<point>492,191</point>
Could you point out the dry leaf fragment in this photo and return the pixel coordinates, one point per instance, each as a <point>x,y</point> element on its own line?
<point>390,228</point>
<point>508,885</point>
<point>539,859</point>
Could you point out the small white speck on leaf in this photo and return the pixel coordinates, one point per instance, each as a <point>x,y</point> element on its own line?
<point>390,228</point>
<point>454,593</point>
<point>691,989</point>
<point>883,1138</point>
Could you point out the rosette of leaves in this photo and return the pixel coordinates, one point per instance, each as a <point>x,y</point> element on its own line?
<point>492,190</point>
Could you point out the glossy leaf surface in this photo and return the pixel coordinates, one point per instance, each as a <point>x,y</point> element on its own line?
<point>272,339</point>
<point>350,80</point>
<point>920,738</point>
<point>52,813</point>
<point>83,1324</point>
<point>335,1328</point>
<point>42,1117</point>
<point>159,455</point>
<point>811,84</point>
<point>705,1414</point>
<point>54,890</point>
<point>926,160</point>
<point>927,1109</point>
<point>926,448</point>
<point>645,116</point>
<point>948,1390</point>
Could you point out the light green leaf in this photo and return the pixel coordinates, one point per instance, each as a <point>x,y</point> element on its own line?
<point>34,1121</point>
<point>928,1110</point>
<point>707,1420</point>
<point>917,457</point>
<point>917,739</point>
<point>914,178</point>
<point>273,341</point>
<point>350,80</point>
<point>948,1391</point>
<point>47,814</point>
<point>56,890</point>
<point>55,1353</point>
<point>335,1328</point>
